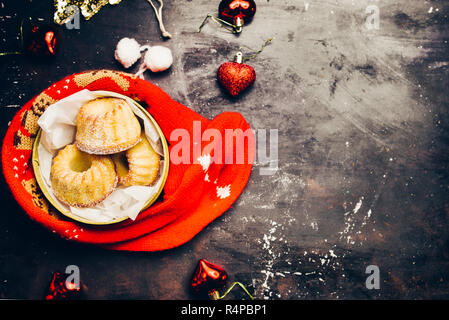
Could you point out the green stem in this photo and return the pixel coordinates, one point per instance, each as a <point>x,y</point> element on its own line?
<point>10,53</point>
<point>233,285</point>
<point>21,42</point>
<point>218,21</point>
<point>259,51</point>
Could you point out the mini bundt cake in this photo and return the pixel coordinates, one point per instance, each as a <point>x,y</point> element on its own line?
<point>106,126</point>
<point>82,180</point>
<point>138,165</point>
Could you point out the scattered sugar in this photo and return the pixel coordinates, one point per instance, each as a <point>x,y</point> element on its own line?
<point>354,222</point>
<point>223,192</point>
<point>205,161</point>
<point>312,269</point>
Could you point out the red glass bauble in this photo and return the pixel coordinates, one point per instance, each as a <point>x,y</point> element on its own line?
<point>208,277</point>
<point>42,40</point>
<point>237,12</point>
<point>59,289</point>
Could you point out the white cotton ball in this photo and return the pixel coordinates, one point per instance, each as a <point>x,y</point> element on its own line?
<point>127,52</point>
<point>158,58</point>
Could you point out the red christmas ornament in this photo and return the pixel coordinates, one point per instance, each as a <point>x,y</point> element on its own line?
<point>37,40</point>
<point>237,12</point>
<point>236,76</point>
<point>60,289</point>
<point>42,40</point>
<point>233,14</point>
<point>208,278</point>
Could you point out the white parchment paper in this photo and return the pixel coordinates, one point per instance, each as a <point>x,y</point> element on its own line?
<point>58,125</point>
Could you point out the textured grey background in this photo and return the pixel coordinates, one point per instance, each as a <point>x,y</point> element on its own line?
<point>363,137</point>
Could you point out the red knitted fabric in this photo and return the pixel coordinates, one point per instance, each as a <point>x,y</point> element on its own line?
<point>191,197</point>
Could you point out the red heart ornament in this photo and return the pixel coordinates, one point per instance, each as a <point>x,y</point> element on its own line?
<point>236,77</point>
<point>208,277</point>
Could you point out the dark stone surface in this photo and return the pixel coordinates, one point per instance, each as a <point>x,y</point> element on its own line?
<point>363,138</point>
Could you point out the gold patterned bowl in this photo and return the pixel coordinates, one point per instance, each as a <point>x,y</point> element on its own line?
<point>67,213</point>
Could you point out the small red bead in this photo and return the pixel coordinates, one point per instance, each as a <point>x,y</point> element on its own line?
<point>42,40</point>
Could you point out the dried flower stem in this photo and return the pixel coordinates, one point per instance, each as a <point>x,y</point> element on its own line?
<point>259,51</point>
<point>158,12</point>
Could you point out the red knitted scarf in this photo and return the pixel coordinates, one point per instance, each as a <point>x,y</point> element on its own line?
<point>192,196</point>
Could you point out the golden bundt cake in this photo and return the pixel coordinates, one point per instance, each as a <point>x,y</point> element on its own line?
<point>138,165</point>
<point>82,180</point>
<point>106,126</point>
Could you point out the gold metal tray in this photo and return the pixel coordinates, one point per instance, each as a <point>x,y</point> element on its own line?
<point>67,213</point>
